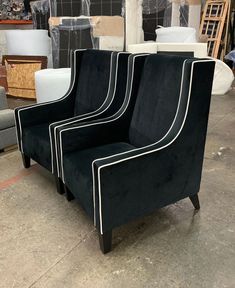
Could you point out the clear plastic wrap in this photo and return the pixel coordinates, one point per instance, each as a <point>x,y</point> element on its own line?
<point>231,56</point>
<point>75,8</point>
<point>98,32</point>
<point>68,34</point>
<point>184,13</point>
<point>67,8</point>
<point>40,14</point>
<point>76,19</point>
<point>153,6</point>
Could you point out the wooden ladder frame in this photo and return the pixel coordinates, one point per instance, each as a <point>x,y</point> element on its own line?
<point>213,23</point>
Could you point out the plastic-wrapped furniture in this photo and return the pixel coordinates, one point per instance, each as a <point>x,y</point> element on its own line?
<point>70,34</point>
<point>40,14</point>
<point>97,88</point>
<point>7,123</point>
<point>149,154</point>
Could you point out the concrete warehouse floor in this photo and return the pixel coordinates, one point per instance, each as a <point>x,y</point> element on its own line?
<point>47,242</point>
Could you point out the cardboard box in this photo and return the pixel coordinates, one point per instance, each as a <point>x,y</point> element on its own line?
<point>108,26</point>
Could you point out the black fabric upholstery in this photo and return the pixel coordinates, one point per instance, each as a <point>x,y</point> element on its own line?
<point>112,104</point>
<point>92,69</point>
<point>167,175</point>
<point>95,74</point>
<point>37,145</point>
<point>116,128</point>
<point>154,167</point>
<point>79,164</point>
<point>157,100</point>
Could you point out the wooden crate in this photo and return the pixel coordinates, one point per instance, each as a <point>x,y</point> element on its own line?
<point>20,74</point>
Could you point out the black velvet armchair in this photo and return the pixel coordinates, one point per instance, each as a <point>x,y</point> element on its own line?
<point>97,88</point>
<point>150,153</point>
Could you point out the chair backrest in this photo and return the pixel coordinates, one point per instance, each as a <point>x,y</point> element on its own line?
<point>94,78</point>
<point>157,99</point>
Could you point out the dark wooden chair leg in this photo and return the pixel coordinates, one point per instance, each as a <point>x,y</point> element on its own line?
<point>26,160</point>
<point>1,150</point>
<point>68,194</point>
<point>59,185</point>
<point>195,200</point>
<point>105,240</point>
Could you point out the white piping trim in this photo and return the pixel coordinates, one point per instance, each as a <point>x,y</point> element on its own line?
<point>142,148</point>
<point>93,113</point>
<point>46,103</point>
<point>95,123</point>
<point>93,172</point>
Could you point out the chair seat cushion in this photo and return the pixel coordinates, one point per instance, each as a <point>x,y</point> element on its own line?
<point>37,144</point>
<point>78,170</point>
<point>7,119</point>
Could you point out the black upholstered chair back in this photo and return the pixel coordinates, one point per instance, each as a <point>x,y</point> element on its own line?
<point>157,99</point>
<point>94,82</point>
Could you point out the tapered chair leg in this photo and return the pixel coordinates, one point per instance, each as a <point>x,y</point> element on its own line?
<point>105,240</point>
<point>59,185</point>
<point>26,160</point>
<point>195,200</point>
<point>68,194</point>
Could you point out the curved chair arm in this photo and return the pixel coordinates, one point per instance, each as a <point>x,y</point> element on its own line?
<point>90,134</point>
<point>49,111</point>
<point>42,113</point>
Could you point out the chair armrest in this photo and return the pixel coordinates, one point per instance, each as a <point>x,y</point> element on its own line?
<point>54,110</point>
<point>92,133</point>
<point>136,183</point>
<point>41,113</point>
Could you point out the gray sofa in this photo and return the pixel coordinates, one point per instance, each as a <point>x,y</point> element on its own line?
<point>7,123</point>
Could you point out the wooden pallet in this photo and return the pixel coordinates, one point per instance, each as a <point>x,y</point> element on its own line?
<point>213,24</point>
